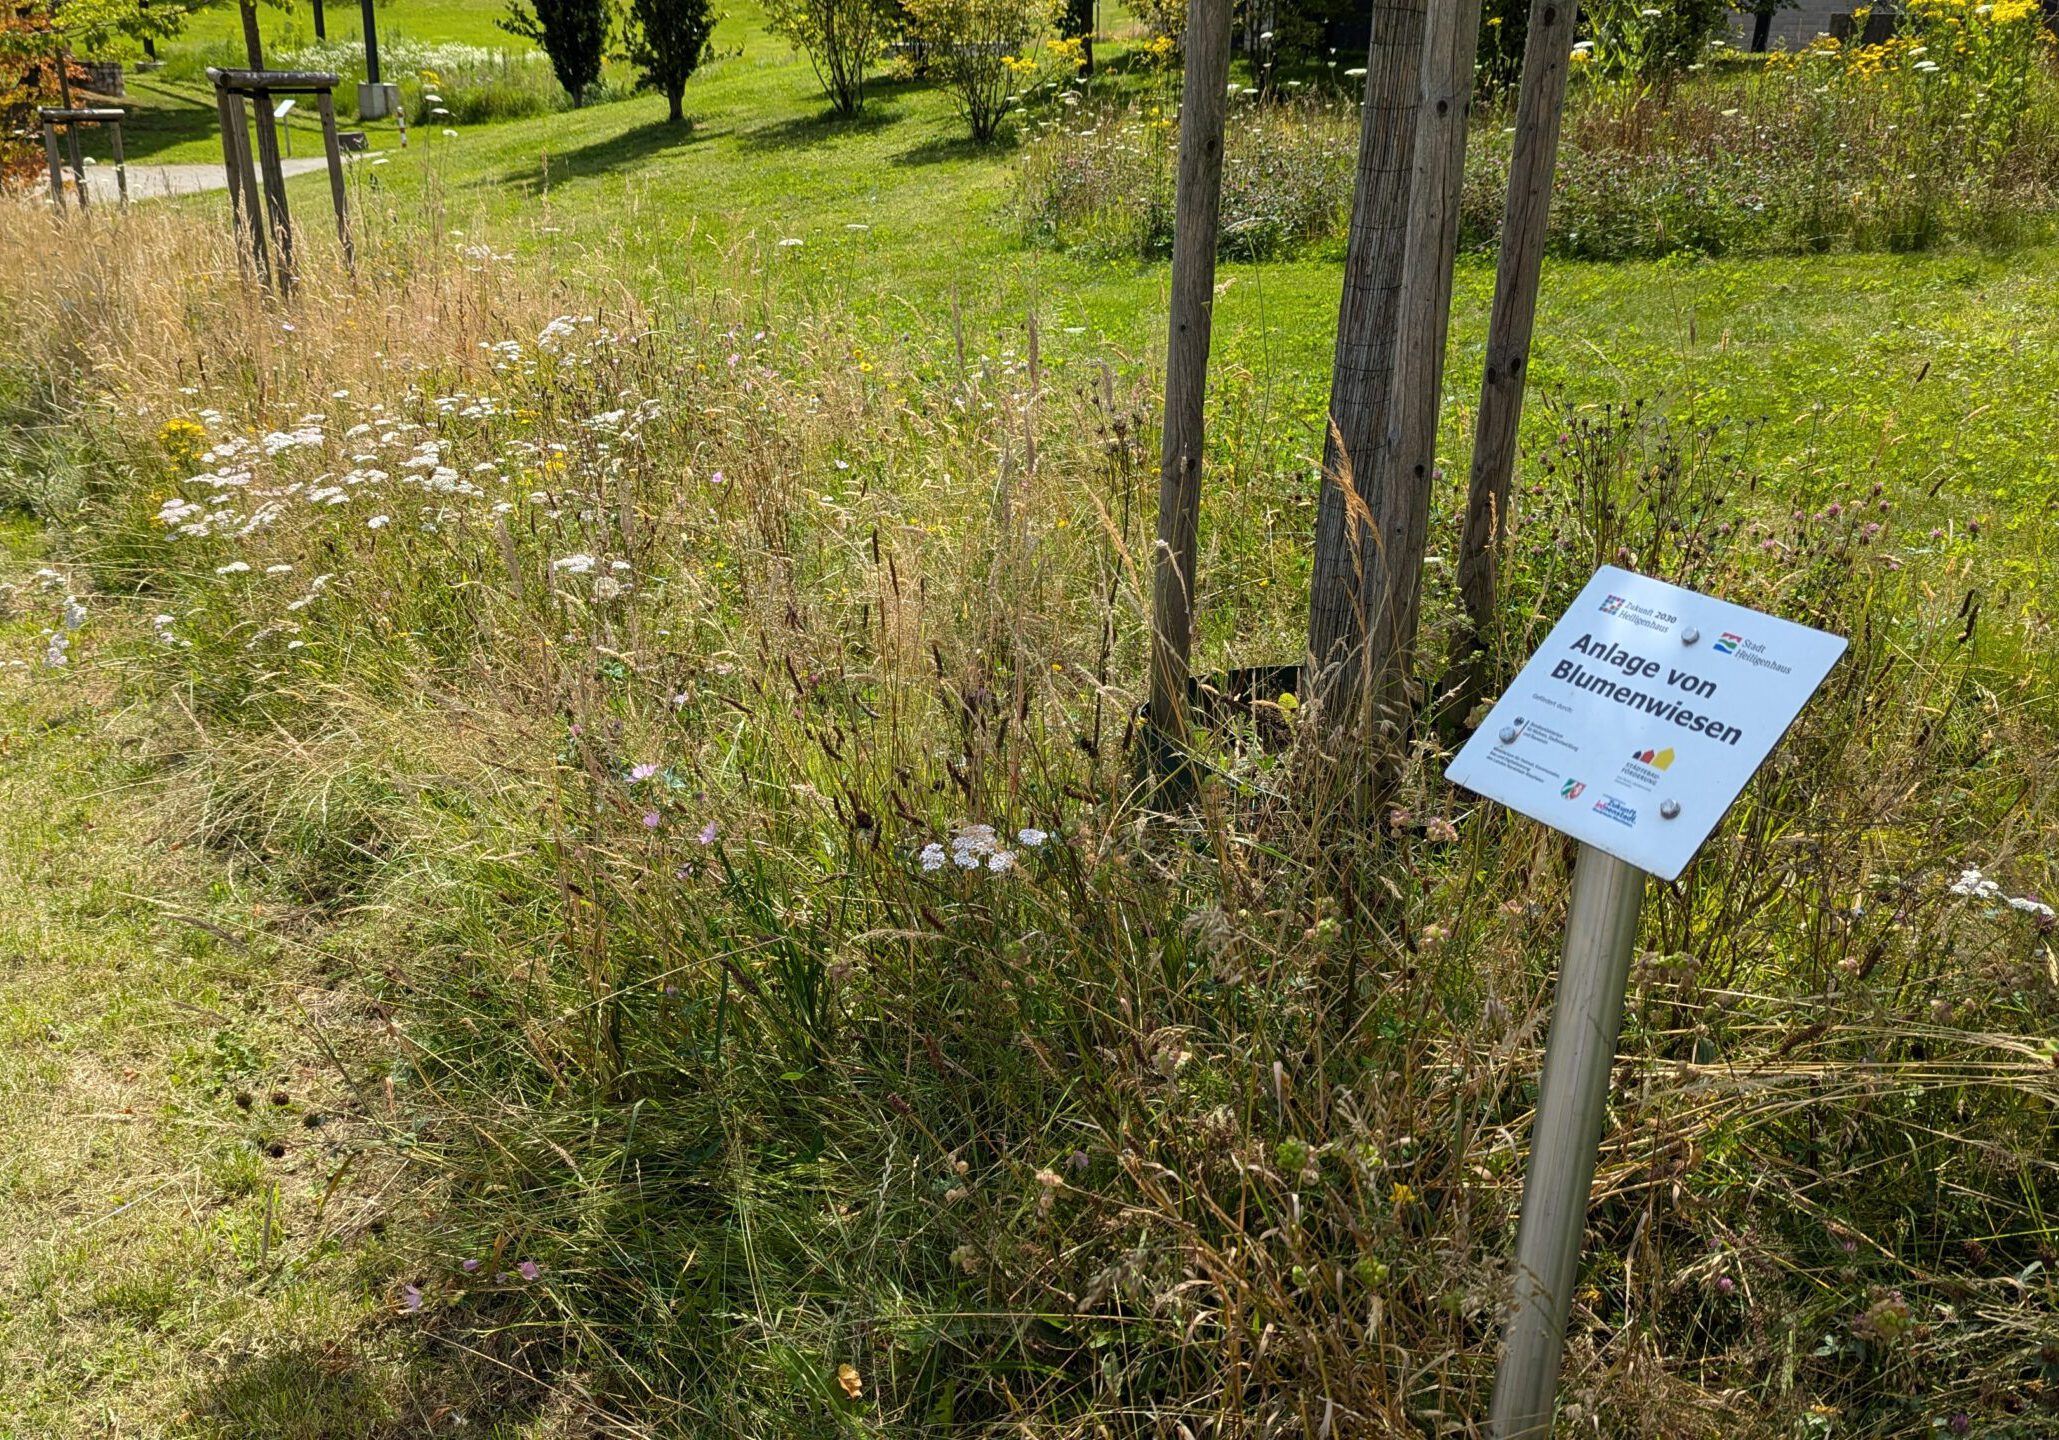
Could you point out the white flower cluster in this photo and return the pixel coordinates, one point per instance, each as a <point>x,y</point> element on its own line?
<point>57,646</point>
<point>1971,882</point>
<point>976,847</point>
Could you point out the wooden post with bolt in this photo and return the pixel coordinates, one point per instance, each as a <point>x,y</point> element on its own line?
<point>1540,106</point>
<point>1197,216</point>
<point>1362,369</point>
<point>1404,464</point>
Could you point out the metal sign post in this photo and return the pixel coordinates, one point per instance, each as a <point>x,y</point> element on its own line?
<point>1633,728</point>
<point>1601,935</point>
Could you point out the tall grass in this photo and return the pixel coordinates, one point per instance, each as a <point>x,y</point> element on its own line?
<point>628,683</point>
<point>1815,152</point>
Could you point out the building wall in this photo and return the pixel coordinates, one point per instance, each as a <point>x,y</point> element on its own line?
<point>1795,26</point>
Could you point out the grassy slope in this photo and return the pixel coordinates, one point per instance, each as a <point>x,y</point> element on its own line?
<point>162,1308</point>
<point>1828,350</point>
<point>143,990</point>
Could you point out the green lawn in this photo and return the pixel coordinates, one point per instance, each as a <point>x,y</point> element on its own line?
<point>1928,369</point>
<point>464,22</point>
<point>184,1245</point>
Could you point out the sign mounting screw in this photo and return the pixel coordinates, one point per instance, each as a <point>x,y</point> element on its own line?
<point>1669,809</point>
<point>1508,734</point>
<point>1690,635</point>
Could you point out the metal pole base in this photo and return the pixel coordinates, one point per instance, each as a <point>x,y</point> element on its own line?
<point>1601,934</point>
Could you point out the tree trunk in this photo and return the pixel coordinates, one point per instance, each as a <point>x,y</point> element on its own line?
<point>1362,373</point>
<point>1539,108</point>
<point>1405,466</point>
<point>1197,215</point>
<point>675,100</point>
<point>1762,29</point>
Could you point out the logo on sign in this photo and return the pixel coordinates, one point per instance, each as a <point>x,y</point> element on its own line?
<point>1612,605</point>
<point>1610,808</point>
<point>1657,759</point>
<point>1727,643</point>
<point>1572,788</point>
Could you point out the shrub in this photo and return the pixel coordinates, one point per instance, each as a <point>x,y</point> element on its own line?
<point>1102,179</point>
<point>470,84</point>
<point>1858,148</point>
<point>1653,44</point>
<point>976,48</point>
<point>841,38</point>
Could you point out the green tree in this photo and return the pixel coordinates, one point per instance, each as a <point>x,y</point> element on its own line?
<point>667,41</point>
<point>840,37</point>
<point>574,33</point>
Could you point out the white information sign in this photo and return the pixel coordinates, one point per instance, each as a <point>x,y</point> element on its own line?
<point>1643,714</point>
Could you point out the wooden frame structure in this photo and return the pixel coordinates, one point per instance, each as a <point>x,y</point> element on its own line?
<point>266,221</point>
<point>70,118</point>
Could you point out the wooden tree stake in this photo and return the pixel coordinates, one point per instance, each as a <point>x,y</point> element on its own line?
<point>1405,465</point>
<point>1362,374</point>
<point>1547,61</point>
<point>1198,201</point>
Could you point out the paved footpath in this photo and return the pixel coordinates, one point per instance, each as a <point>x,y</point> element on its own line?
<point>148,182</point>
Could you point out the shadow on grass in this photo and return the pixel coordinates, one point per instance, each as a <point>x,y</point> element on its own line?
<point>824,127</point>
<point>614,152</point>
<point>349,1391</point>
<point>309,1391</point>
<point>160,117</point>
<point>947,148</point>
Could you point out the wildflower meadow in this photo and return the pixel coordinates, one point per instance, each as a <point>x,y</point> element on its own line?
<point>578,848</point>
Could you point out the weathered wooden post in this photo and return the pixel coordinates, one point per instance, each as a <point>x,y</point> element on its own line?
<point>1405,463</point>
<point>71,136</point>
<point>1362,372</point>
<point>273,176</point>
<point>1198,204</point>
<point>332,147</point>
<point>56,165</point>
<point>121,163</point>
<point>53,117</point>
<point>256,201</point>
<point>1540,104</point>
<point>246,213</point>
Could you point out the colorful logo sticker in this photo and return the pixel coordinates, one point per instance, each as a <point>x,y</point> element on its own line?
<point>1609,807</point>
<point>1657,759</point>
<point>1727,643</point>
<point>1572,788</point>
<point>1612,605</point>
